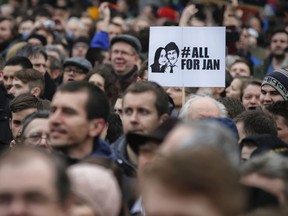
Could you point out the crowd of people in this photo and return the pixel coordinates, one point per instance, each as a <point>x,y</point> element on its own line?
<point>83,132</point>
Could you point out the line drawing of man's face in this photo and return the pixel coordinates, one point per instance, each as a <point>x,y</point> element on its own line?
<point>172,56</point>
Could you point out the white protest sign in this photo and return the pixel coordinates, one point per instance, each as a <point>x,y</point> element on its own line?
<point>187,56</point>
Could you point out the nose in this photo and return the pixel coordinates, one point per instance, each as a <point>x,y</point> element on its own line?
<point>55,117</point>
<point>267,97</point>
<point>12,91</point>
<point>134,117</point>
<point>168,91</point>
<point>17,207</point>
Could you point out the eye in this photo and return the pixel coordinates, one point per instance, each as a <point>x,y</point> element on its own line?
<point>143,111</point>
<point>128,111</point>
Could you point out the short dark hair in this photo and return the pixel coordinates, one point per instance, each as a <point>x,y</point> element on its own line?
<point>172,46</point>
<point>19,60</point>
<point>22,154</point>
<point>31,77</point>
<point>41,114</point>
<point>257,122</point>
<point>25,101</point>
<point>161,97</point>
<point>30,50</point>
<point>97,105</point>
<point>279,108</point>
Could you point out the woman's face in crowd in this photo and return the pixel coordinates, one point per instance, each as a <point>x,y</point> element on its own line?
<point>240,69</point>
<point>176,94</point>
<point>234,90</point>
<point>162,58</point>
<point>97,80</point>
<point>251,96</point>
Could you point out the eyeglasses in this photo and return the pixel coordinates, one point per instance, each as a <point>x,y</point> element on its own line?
<point>74,69</point>
<point>122,53</point>
<point>36,139</point>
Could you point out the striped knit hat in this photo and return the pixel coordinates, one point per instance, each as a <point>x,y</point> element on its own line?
<point>278,79</point>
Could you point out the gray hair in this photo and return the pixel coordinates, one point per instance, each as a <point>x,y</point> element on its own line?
<point>270,165</point>
<point>53,48</point>
<point>185,109</point>
<point>212,135</point>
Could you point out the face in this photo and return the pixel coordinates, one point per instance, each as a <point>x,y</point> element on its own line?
<point>123,58</point>
<point>140,113</point>
<point>234,90</point>
<point>251,96</point>
<point>29,189</point>
<point>282,128</point>
<point>16,122</point>
<point>97,80</point>
<point>269,96</point>
<point>37,133</point>
<point>8,75</point>
<point>240,69</point>
<point>176,95</point>
<point>39,63</point>
<point>203,108</point>
<point>114,30</point>
<point>73,73</point>
<point>278,44</point>
<point>172,56</point>
<point>68,121</point>
<point>118,107</point>
<point>162,58</point>
<point>80,49</point>
<point>162,201</point>
<point>26,27</point>
<point>5,31</point>
<point>18,88</point>
<point>246,152</point>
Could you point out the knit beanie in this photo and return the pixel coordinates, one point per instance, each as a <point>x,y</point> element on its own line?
<point>278,79</point>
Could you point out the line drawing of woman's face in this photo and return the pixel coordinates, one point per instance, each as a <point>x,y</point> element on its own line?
<point>162,58</point>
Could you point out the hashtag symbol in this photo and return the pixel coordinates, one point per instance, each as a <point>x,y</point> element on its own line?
<point>185,52</point>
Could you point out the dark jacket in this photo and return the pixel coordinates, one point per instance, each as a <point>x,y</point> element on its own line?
<point>100,149</point>
<point>121,156</point>
<point>50,87</point>
<point>5,132</point>
<point>261,70</point>
<point>126,79</point>
<point>129,181</point>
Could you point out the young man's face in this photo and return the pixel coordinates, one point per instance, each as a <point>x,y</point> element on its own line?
<point>16,122</point>
<point>139,113</point>
<point>8,75</point>
<point>279,42</point>
<point>18,87</point>
<point>282,128</point>
<point>172,56</point>
<point>39,63</point>
<point>269,96</point>
<point>68,121</point>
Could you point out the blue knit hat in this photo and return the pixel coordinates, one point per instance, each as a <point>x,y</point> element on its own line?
<point>278,79</point>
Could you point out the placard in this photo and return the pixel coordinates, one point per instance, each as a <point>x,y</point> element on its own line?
<point>187,56</point>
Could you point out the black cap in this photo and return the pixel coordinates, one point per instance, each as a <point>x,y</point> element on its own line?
<point>133,41</point>
<point>158,135</point>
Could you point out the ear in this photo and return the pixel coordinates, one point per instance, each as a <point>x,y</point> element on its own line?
<point>12,144</point>
<point>1,75</point>
<point>96,126</point>
<point>36,91</point>
<point>163,118</point>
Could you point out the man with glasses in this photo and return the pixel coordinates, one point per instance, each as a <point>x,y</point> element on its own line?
<point>75,69</point>
<point>125,50</point>
<point>35,130</point>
